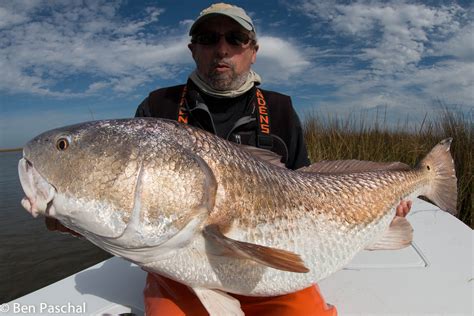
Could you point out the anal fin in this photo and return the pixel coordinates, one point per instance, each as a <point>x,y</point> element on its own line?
<point>218,303</point>
<point>272,257</point>
<point>398,235</point>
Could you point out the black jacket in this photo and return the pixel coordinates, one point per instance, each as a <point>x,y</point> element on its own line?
<point>235,119</point>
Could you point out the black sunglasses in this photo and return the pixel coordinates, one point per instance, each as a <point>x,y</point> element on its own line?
<point>234,38</point>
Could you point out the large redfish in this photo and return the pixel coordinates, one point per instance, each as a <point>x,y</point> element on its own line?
<point>205,212</point>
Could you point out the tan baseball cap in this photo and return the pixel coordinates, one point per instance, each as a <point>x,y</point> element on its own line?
<point>234,12</point>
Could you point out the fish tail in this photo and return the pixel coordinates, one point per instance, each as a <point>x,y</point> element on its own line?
<point>442,187</point>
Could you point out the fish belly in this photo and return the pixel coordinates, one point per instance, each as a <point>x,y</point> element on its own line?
<point>325,247</point>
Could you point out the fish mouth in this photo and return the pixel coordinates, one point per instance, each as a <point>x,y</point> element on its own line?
<point>39,194</point>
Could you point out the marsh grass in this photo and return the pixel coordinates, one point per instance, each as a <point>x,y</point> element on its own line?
<point>333,138</point>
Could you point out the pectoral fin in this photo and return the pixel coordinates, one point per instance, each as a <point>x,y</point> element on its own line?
<point>218,303</point>
<point>399,235</point>
<point>272,257</point>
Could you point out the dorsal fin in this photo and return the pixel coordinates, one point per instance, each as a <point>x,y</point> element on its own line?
<point>353,166</point>
<point>265,155</point>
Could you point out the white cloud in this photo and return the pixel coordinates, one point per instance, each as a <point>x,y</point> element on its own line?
<point>402,55</point>
<point>8,18</point>
<point>73,39</point>
<point>411,91</point>
<point>136,26</point>
<point>449,80</point>
<point>16,12</point>
<point>460,45</point>
<point>97,86</point>
<point>115,52</point>
<point>392,34</point>
<point>279,60</point>
<point>367,53</point>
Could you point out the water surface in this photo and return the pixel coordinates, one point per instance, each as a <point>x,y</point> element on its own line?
<point>32,257</point>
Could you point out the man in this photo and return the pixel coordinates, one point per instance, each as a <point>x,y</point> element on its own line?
<point>222,97</point>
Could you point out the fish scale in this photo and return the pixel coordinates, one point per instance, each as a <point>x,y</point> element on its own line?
<point>213,215</point>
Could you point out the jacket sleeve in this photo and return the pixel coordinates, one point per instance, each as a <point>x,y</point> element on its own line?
<point>143,109</point>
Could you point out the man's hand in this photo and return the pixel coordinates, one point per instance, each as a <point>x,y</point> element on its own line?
<point>403,208</point>
<point>54,225</point>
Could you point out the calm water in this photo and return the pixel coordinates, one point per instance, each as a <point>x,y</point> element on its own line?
<point>32,257</point>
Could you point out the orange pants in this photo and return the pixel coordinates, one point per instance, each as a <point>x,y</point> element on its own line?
<point>167,297</point>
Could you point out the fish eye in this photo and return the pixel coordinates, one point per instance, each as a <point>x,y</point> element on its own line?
<point>62,144</point>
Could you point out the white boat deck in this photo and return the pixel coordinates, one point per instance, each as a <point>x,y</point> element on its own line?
<point>432,277</point>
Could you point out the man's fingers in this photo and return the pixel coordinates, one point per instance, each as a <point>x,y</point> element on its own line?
<point>406,207</point>
<point>403,208</point>
<point>399,210</point>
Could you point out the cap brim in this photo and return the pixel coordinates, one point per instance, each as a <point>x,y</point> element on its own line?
<point>246,25</point>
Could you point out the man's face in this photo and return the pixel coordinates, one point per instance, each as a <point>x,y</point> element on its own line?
<point>222,65</point>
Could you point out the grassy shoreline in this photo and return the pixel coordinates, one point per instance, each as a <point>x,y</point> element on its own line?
<point>349,138</point>
<point>6,150</point>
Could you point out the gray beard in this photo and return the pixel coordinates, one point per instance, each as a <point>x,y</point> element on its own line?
<point>225,81</point>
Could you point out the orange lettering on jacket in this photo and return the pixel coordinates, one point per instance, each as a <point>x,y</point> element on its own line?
<point>182,117</point>
<point>265,128</point>
<point>263,111</point>
<point>182,114</point>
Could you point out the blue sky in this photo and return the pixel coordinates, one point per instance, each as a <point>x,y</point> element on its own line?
<point>64,62</point>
